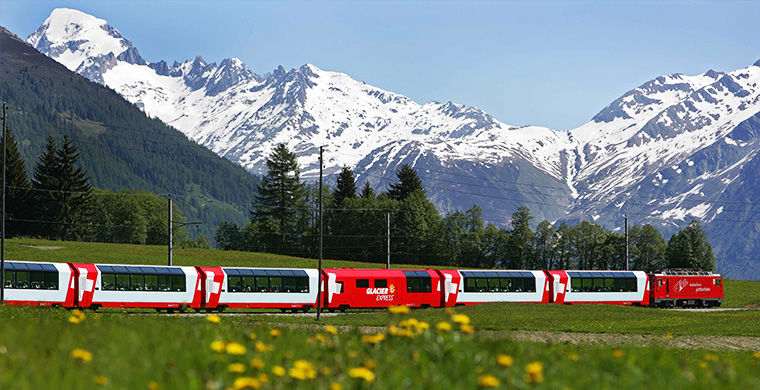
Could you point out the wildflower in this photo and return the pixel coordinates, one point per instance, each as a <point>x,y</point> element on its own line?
<point>712,357</point>
<point>669,336</point>
<point>467,328</point>
<point>252,336</point>
<point>373,339</point>
<point>321,338</point>
<point>505,360</point>
<point>534,372</point>
<point>325,371</point>
<point>415,356</point>
<point>353,354</point>
<point>398,309</point>
<point>336,386</point>
<point>302,370</point>
<point>703,364</point>
<point>310,340</point>
<point>460,319</point>
<point>238,368</point>
<point>756,355</point>
<point>369,363</point>
<point>574,357</point>
<point>443,326</point>
<point>100,380</point>
<point>331,329</point>
<point>213,318</point>
<point>217,346</point>
<point>246,382</point>
<point>275,332</point>
<point>262,347</point>
<point>235,349</point>
<point>488,380</point>
<point>257,363</point>
<point>363,373</point>
<point>263,377</point>
<point>617,353</point>
<point>81,354</point>
<point>76,316</point>
<point>153,385</point>
<point>278,370</point>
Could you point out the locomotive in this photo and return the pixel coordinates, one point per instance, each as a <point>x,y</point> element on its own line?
<point>86,285</point>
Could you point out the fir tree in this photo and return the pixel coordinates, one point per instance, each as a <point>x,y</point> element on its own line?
<point>281,200</point>
<point>46,181</point>
<point>367,191</point>
<point>76,199</point>
<point>408,183</point>
<point>345,187</point>
<point>17,188</point>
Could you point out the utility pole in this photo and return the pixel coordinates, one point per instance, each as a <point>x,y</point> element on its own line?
<point>2,240</point>
<point>626,241</point>
<point>170,229</point>
<point>388,242</point>
<point>319,272</point>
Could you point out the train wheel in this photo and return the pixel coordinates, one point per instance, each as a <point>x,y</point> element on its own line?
<point>283,310</point>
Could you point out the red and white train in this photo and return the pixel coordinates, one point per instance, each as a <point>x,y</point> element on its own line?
<point>216,288</point>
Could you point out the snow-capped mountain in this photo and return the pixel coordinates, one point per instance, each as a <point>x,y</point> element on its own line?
<point>675,148</point>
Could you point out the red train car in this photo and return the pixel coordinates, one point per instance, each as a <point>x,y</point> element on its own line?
<point>679,287</point>
<point>612,287</point>
<point>372,288</point>
<point>33,283</point>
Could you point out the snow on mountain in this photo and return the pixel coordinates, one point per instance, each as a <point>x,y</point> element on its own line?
<point>665,152</point>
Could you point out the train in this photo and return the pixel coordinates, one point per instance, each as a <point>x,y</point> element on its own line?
<point>169,288</point>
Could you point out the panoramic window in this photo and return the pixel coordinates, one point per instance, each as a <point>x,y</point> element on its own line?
<point>362,283</point>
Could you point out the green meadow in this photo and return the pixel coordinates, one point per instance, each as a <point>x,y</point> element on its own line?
<point>137,349</point>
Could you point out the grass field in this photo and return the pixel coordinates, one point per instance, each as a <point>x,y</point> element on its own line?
<point>40,348</point>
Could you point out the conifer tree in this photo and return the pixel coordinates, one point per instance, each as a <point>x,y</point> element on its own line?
<point>345,186</point>
<point>280,203</point>
<point>46,182</point>
<point>689,248</point>
<point>408,183</point>
<point>76,197</point>
<point>367,191</point>
<point>17,188</point>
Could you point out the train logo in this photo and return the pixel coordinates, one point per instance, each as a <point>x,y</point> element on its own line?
<point>681,285</point>
<point>392,289</point>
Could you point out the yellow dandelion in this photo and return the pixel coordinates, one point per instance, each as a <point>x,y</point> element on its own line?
<point>257,363</point>
<point>703,364</point>
<point>466,328</point>
<point>252,336</point>
<point>363,373</point>
<point>756,355</point>
<point>235,348</point>
<point>278,370</point>
<point>353,354</point>
<point>443,326</point>
<point>263,377</point>
<point>321,338</point>
<point>217,346</point>
<point>213,318</point>
<point>331,329</point>
<point>669,336</point>
<point>238,368</point>
<point>100,380</point>
<point>261,346</point>
<point>153,385</point>
<point>325,371</point>
<point>310,340</point>
<point>415,356</point>
<point>617,353</point>
<point>369,363</point>
<point>81,354</point>
<point>460,319</point>
<point>505,360</point>
<point>77,316</point>
<point>302,370</point>
<point>398,309</point>
<point>246,382</point>
<point>275,332</point>
<point>488,380</point>
<point>574,357</point>
<point>711,356</point>
<point>373,339</point>
<point>336,386</point>
<point>534,372</point>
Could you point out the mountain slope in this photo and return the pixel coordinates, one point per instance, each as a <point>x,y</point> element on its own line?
<point>119,145</point>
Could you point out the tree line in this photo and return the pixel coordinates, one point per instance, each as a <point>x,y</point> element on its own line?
<point>284,220</point>
<point>59,203</point>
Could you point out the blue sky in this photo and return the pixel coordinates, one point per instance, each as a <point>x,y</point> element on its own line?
<point>553,64</point>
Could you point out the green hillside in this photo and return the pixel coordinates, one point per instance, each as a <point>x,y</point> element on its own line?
<point>121,148</point>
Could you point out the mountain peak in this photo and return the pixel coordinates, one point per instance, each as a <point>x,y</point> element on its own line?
<point>82,42</point>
